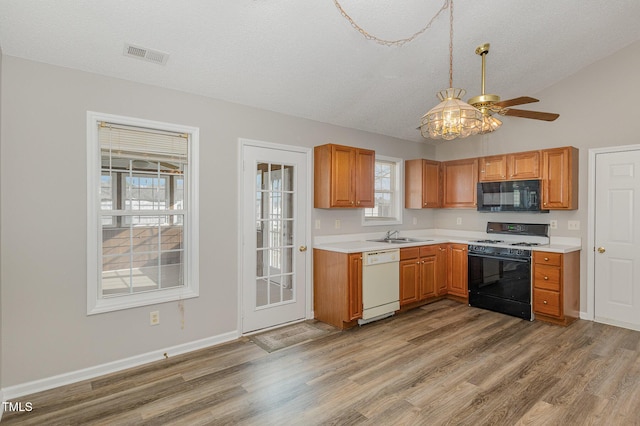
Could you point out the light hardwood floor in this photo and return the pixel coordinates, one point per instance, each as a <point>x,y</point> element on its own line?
<point>444,363</point>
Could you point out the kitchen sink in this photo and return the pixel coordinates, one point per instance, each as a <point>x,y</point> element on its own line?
<point>400,240</point>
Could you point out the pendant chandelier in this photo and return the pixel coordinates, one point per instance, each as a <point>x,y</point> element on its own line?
<point>452,118</point>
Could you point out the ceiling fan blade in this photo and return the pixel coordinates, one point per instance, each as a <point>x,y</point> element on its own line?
<point>516,101</point>
<point>536,115</point>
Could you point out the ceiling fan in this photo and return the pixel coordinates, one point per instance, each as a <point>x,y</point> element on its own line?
<point>490,104</point>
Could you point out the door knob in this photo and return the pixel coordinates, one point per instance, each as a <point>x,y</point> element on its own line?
<point>601,250</point>
<point>302,248</point>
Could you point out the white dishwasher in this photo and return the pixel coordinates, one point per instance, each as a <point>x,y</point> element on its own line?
<point>380,284</point>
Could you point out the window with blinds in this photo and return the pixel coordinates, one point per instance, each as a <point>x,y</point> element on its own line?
<point>144,210</point>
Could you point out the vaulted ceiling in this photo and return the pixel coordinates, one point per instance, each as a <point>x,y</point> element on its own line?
<point>303,58</point>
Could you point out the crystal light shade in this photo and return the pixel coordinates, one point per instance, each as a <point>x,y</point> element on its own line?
<point>451,118</point>
<point>489,124</point>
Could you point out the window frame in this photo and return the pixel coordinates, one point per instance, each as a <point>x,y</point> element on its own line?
<point>397,191</point>
<point>96,303</point>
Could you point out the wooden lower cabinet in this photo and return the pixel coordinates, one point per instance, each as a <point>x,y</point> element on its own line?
<point>423,274</point>
<point>337,287</point>
<point>556,286</point>
<point>457,272</point>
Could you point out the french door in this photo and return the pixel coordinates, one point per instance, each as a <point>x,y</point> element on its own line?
<point>274,254</point>
<point>617,238</point>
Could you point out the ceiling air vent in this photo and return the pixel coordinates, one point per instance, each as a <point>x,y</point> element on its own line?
<point>145,54</point>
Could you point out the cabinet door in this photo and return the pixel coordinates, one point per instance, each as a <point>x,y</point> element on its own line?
<point>364,178</point>
<point>460,178</point>
<point>422,187</point>
<point>441,270</point>
<point>409,281</point>
<point>523,165</point>
<point>457,270</point>
<point>560,178</point>
<point>343,160</point>
<point>428,276</point>
<point>431,184</point>
<point>493,168</point>
<point>354,290</point>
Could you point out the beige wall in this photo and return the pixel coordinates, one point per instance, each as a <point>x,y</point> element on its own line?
<point>43,248</point>
<point>602,91</point>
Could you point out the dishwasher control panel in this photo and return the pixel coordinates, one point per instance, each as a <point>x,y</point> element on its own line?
<point>380,256</point>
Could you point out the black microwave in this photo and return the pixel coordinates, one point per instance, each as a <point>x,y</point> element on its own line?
<point>510,196</point>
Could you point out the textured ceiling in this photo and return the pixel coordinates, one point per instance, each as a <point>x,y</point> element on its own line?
<point>304,59</point>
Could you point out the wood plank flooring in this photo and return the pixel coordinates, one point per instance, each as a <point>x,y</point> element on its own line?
<point>444,363</point>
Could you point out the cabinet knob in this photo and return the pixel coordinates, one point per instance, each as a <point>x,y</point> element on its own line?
<point>544,301</point>
<point>358,202</point>
<point>546,278</point>
<point>546,259</point>
<point>544,204</point>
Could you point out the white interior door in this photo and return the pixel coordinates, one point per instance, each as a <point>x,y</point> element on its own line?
<point>274,237</point>
<point>617,239</point>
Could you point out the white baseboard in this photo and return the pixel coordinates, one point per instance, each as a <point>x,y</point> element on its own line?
<point>28,388</point>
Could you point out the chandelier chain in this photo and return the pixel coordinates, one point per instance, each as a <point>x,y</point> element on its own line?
<point>450,43</point>
<point>402,41</point>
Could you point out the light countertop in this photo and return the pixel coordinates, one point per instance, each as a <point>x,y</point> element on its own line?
<point>356,243</point>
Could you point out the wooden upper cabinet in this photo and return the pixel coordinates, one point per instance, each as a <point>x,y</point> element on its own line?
<point>560,178</point>
<point>365,178</point>
<point>518,166</point>
<point>493,168</point>
<point>459,182</point>
<point>343,177</point>
<point>422,188</point>
<point>523,165</point>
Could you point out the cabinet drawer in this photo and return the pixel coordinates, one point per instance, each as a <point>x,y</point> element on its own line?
<point>546,277</point>
<point>428,250</point>
<point>546,258</point>
<point>546,302</point>
<point>409,253</point>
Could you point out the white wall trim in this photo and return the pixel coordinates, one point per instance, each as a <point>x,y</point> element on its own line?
<point>309,207</point>
<point>591,216</point>
<point>28,388</point>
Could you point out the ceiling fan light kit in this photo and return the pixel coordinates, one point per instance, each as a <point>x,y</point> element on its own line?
<point>489,104</point>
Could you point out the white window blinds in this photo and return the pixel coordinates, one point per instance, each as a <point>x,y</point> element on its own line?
<point>135,142</point>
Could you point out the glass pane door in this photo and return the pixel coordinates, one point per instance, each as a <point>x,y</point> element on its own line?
<point>274,234</point>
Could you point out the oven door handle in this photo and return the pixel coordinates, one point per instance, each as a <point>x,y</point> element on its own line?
<point>510,259</point>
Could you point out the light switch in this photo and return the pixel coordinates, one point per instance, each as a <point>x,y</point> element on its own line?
<point>573,225</point>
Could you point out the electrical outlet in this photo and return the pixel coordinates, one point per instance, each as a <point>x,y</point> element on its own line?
<point>317,223</point>
<point>458,221</point>
<point>553,224</point>
<point>154,317</point>
<point>415,220</point>
<point>337,224</point>
<point>573,225</point>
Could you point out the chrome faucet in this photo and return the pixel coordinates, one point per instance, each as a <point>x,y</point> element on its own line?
<point>390,233</point>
